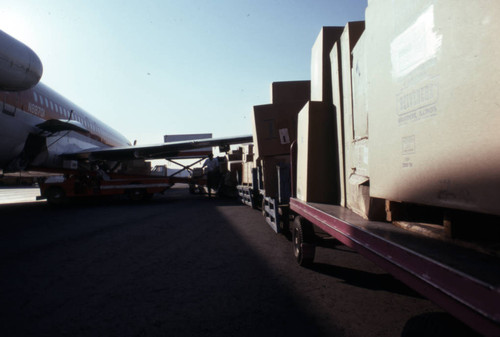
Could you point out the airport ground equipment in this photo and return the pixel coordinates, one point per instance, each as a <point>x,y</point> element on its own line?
<point>57,190</point>
<point>463,281</point>
<point>455,274</point>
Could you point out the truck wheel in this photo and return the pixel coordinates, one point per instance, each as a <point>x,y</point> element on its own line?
<point>435,324</point>
<point>304,248</point>
<point>56,196</point>
<point>138,194</point>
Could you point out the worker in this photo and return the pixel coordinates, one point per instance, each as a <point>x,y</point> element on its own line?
<point>212,171</point>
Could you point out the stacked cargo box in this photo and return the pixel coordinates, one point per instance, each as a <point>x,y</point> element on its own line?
<point>275,129</point>
<point>247,165</point>
<point>433,98</point>
<point>234,159</point>
<point>349,86</point>
<point>317,155</point>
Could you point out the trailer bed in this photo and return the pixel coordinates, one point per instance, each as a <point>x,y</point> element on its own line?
<point>463,281</point>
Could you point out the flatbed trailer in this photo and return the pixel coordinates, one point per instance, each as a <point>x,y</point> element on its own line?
<point>463,281</point>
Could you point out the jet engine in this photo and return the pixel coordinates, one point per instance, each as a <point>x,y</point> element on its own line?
<point>20,67</point>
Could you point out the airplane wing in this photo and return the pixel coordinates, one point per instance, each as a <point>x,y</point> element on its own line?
<point>159,151</point>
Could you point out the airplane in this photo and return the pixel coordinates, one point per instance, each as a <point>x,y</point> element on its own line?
<point>40,130</point>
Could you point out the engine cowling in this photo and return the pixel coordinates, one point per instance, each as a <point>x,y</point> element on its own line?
<point>20,67</point>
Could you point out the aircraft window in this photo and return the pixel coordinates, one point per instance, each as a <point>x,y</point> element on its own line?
<point>57,108</point>
<point>35,96</point>
<point>51,105</point>
<point>46,102</point>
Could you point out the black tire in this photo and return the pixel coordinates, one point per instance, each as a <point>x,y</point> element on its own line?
<point>55,196</point>
<point>138,194</point>
<point>436,324</point>
<point>304,248</point>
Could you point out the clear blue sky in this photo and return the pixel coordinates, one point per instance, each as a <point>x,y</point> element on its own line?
<point>155,67</point>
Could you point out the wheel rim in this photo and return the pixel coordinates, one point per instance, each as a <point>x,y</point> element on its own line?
<point>296,243</point>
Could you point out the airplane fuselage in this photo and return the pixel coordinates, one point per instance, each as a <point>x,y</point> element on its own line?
<point>25,143</point>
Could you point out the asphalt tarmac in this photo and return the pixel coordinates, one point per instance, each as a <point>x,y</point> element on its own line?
<point>183,265</point>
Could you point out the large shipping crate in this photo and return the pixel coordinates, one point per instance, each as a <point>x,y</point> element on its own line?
<point>290,91</point>
<point>433,101</point>
<point>317,164</point>
<point>270,174</point>
<point>357,142</point>
<point>235,154</point>
<point>341,63</point>
<point>235,171</point>
<point>321,86</point>
<point>275,127</point>
<point>246,173</point>
<point>248,164</point>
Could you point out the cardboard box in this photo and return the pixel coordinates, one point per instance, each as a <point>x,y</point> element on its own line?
<point>317,159</point>
<point>248,149</point>
<point>235,171</point>
<point>290,91</point>
<point>270,174</point>
<point>246,174</point>
<point>341,63</point>
<point>248,157</point>
<point>349,97</point>
<point>321,86</point>
<point>434,98</point>
<point>235,154</point>
<point>357,142</point>
<point>275,127</point>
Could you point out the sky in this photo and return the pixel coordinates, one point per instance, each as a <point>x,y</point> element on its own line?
<point>154,67</point>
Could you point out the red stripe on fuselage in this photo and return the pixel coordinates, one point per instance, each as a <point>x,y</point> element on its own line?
<point>45,103</point>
